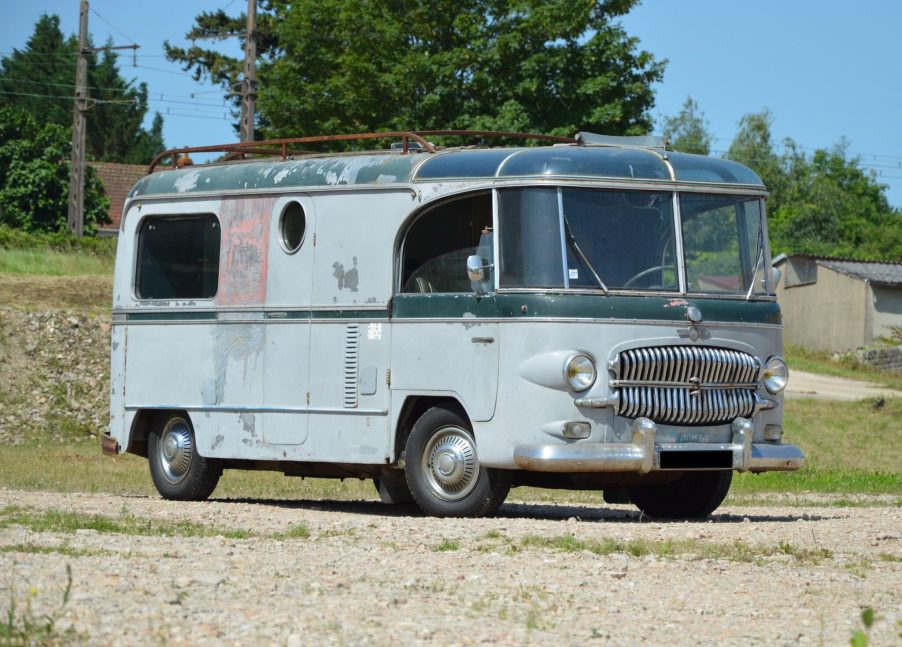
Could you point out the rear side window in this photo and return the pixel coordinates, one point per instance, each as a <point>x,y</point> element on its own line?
<point>178,257</point>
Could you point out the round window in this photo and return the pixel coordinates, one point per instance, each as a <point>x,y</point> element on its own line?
<point>294,224</point>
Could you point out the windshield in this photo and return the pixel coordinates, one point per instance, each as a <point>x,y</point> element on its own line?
<point>600,239</point>
<point>587,239</point>
<point>723,244</point>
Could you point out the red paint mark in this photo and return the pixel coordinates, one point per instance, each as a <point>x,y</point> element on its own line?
<point>676,303</point>
<point>245,255</point>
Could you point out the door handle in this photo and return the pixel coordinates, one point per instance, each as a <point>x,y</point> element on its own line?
<point>482,340</point>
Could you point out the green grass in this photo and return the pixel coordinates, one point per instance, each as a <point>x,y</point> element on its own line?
<point>738,551</point>
<point>53,263</point>
<point>447,545</point>
<point>68,522</point>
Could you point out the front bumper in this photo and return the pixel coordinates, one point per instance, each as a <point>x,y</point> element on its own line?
<point>643,455</point>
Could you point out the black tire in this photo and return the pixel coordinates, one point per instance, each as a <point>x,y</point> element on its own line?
<point>392,487</point>
<point>443,471</point>
<point>178,471</point>
<point>693,495</point>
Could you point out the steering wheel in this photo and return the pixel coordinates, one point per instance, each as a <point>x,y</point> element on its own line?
<point>646,272</point>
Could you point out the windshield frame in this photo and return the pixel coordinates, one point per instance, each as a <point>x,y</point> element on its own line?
<point>675,190</point>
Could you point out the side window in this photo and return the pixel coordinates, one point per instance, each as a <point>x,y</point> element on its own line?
<point>438,243</point>
<point>178,257</point>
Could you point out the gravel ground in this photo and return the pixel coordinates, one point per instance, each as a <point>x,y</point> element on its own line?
<point>368,574</point>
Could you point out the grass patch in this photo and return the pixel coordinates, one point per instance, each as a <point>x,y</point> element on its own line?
<point>299,531</point>
<point>823,481</point>
<point>82,468</point>
<point>65,549</point>
<point>813,361</point>
<point>447,545</point>
<point>69,522</point>
<point>53,263</point>
<point>672,548</point>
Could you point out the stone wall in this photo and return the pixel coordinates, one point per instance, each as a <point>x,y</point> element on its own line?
<point>885,359</point>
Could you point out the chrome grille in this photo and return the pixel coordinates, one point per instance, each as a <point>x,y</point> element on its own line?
<point>685,385</point>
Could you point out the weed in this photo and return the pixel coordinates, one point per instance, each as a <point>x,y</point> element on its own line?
<point>446,546</point>
<point>860,636</point>
<point>299,531</point>
<point>25,627</point>
<point>65,549</point>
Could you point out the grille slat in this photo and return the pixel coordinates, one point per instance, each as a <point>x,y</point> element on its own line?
<point>686,385</point>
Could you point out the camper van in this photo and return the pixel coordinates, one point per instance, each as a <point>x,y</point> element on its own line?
<point>450,322</point>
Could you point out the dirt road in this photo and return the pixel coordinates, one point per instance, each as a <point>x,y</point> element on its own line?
<point>364,574</point>
<point>827,387</point>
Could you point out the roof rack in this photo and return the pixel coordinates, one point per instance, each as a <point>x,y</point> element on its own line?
<point>411,141</point>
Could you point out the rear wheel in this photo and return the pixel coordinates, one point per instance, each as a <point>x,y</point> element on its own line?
<point>178,471</point>
<point>693,495</point>
<point>443,471</point>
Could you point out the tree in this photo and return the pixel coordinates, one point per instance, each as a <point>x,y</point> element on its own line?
<point>822,204</point>
<point>335,67</point>
<point>34,176</point>
<point>688,131</point>
<point>41,80</point>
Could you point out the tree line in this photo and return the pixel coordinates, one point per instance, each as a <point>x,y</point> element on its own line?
<point>330,66</point>
<point>36,103</point>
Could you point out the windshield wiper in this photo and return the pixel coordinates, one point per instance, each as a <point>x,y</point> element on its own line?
<point>571,240</point>
<point>758,263</point>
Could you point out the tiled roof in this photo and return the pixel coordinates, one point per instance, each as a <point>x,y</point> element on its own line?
<point>117,180</point>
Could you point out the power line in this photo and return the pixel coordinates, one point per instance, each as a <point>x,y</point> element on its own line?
<point>94,11</point>
<point>69,98</point>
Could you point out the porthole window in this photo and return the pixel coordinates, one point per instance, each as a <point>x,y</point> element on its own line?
<point>293,224</point>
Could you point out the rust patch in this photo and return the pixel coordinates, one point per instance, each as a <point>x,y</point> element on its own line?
<point>244,265</point>
<point>676,303</point>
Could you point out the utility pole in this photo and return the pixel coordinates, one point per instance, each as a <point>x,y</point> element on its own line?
<point>249,85</point>
<point>76,218</point>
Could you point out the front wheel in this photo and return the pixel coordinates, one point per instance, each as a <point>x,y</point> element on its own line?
<point>693,495</point>
<point>443,471</point>
<point>178,471</point>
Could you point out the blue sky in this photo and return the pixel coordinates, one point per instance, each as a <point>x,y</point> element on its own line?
<point>826,69</point>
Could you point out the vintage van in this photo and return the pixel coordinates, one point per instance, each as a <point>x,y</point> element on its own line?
<point>593,313</point>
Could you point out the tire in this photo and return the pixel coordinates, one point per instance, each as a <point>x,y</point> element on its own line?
<point>178,471</point>
<point>694,495</point>
<point>392,487</point>
<point>443,471</point>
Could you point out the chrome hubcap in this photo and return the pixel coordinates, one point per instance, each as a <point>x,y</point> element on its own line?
<point>450,464</point>
<point>174,450</point>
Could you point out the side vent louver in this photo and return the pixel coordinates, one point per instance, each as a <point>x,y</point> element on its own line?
<point>352,361</point>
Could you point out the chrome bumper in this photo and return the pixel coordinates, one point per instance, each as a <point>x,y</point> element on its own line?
<point>643,455</point>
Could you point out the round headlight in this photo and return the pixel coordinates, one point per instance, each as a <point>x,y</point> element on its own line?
<point>580,372</point>
<point>776,375</point>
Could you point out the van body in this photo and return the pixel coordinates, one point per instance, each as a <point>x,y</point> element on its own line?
<point>451,324</point>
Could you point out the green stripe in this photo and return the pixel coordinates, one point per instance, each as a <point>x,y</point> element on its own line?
<point>518,306</point>
<point>171,316</point>
<point>581,306</point>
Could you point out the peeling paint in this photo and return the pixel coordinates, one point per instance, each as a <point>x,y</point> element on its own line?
<point>187,182</point>
<point>347,279</point>
<point>239,343</point>
<point>217,442</point>
<point>676,303</point>
<point>248,422</point>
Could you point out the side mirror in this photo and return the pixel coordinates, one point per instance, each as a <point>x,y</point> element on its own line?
<point>775,276</point>
<point>475,268</point>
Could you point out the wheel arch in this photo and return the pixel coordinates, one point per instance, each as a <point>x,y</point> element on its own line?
<point>142,425</point>
<point>413,408</point>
